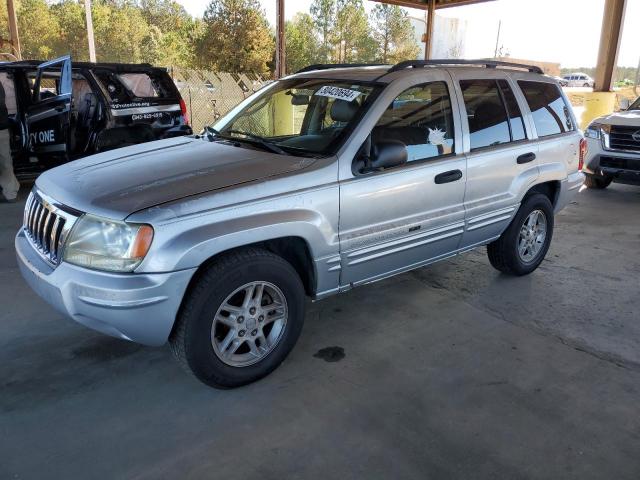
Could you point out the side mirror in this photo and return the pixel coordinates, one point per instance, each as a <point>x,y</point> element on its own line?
<point>624,104</point>
<point>388,154</point>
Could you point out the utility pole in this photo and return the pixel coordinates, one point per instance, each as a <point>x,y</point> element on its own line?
<point>92,44</point>
<point>14,38</point>
<point>495,53</point>
<point>637,82</point>
<point>281,65</point>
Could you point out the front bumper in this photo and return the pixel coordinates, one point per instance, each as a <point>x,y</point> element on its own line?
<point>137,307</point>
<point>622,167</point>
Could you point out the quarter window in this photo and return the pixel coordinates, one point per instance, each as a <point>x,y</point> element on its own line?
<point>486,113</point>
<point>422,119</point>
<point>548,108</point>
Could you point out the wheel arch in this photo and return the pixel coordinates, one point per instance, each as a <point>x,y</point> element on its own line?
<point>550,189</point>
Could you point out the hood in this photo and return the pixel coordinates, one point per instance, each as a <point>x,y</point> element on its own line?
<point>117,183</point>
<point>629,118</point>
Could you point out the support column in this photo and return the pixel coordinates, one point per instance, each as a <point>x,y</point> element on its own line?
<point>610,36</point>
<point>14,37</point>
<point>281,65</point>
<point>92,44</point>
<point>431,13</point>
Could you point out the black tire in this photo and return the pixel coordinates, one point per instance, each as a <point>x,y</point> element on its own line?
<point>598,183</point>
<point>503,252</point>
<point>191,340</point>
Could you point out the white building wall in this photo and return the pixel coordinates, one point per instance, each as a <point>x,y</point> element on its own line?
<point>449,36</point>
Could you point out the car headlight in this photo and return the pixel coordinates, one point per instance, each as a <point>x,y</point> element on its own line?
<point>106,244</point>
<point>594,130</point>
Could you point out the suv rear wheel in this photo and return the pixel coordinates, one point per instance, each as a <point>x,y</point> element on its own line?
<point>240,319</point>
<point>599,183</point>
<point>524,244</point>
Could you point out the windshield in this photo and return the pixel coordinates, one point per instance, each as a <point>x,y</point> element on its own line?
<point>299,115</point>
<point>635,105</point>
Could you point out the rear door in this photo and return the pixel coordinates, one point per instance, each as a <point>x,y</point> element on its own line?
<point>48,114</point>
<point>501,152</point>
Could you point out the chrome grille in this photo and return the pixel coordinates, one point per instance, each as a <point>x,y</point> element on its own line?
<point>622,138</point>
<point>47,226</point>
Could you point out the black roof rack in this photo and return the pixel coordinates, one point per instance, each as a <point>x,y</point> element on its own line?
<point>326,66</point>
<point>485,63</point>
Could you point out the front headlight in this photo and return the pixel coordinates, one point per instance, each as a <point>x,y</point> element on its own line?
<point>106,244</point>
<point>594,130</point>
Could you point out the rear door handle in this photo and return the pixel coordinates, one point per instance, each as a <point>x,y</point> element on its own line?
<point>526,158</point>
<point>446,177</point>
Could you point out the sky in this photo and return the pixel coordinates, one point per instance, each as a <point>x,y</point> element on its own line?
<point>564,31</point>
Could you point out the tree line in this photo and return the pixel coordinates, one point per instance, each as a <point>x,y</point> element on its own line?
<point>232,36</point>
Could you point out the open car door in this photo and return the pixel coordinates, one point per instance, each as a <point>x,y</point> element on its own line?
<point>49,112</point>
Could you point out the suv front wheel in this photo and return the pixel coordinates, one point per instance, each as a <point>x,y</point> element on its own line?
<point>240,319</point>
<point>524,244</point>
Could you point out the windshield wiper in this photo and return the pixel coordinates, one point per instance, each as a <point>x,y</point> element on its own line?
<point>259,140</point>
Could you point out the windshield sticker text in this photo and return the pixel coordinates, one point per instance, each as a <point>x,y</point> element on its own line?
<point>338,93</point>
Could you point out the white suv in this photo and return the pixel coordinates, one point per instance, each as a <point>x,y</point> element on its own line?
<point>579,80</point>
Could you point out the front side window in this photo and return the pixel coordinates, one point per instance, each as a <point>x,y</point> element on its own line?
<point>486,112</point>
<point>421,118</point>
<point>549,110</point>
<point>300,115</point>
<point>49,83</point>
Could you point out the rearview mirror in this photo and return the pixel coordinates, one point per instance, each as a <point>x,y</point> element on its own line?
<point>297,99</point>
<point>624,104</point>
<point>388,154</point>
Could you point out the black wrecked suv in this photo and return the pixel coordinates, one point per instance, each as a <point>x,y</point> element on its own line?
<point>60,111</point>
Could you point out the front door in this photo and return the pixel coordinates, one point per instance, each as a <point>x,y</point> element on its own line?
<point>48,115</point>
<point>405,216</point>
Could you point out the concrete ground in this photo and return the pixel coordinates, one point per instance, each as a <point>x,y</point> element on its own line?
<point>451,371</point>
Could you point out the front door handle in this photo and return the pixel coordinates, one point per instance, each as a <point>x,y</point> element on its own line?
<point>526,158</point>
<point>446,177</point>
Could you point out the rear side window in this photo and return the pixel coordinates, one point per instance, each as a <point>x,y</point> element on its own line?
<point>549,110</point>
<point>422,119</point>
<point>486,112</point>
<point>516,123</point>
<point>140,84</point>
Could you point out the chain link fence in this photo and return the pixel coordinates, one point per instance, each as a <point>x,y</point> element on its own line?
<point>209,95</point>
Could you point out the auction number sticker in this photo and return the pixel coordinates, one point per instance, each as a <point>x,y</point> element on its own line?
<point>338,93</point>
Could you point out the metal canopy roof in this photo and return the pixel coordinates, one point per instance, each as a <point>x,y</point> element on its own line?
<point>424,4</point>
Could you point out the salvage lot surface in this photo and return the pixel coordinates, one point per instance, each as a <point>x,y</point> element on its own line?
<point>450,371</point>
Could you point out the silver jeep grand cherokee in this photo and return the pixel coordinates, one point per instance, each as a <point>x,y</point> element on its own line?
<point>322,181</point>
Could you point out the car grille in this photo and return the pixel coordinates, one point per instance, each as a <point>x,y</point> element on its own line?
<point>47,226</point>
<point>621,138</point>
